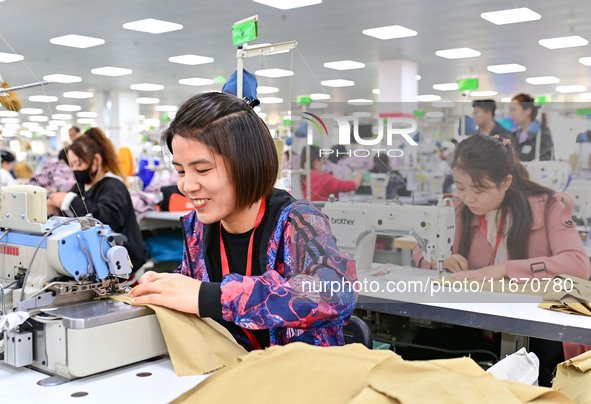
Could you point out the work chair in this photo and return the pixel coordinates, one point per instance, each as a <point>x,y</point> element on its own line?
<point>358,331</point>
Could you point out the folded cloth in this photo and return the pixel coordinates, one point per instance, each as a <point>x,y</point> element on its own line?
<point>196,345</point>
<point>568,294</point>
<point>355,374</point>
<point>573,378</point>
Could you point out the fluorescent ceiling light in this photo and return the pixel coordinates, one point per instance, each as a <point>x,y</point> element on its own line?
<point>8,114</point>
<point>274,73</point>
<point>586,96</point>
<point>10,120</point>
<point>61,117</point>
<point>359,101</point>
<point>152,26</point>
<point>506,68</point>
<point>147,100</point>
<point>62,78</point>
<point>86,121</point>
<point>10,57</point>
<point>78,94</point>
<point>506,99</point>
<point>111,71</point>
<point>267,90</point>
<point>577,88</point>
<point>68,108</point>
<point>55,122</point>
<point>77,41</point>
<point>190,59</point>
<point>418,77</point>
<point>271,100</point>
<point>362,114</point>
<point>86,114</point>
<point>31,111</point>
<point>563,42</point>
<point>458,53</point>
<point>511,16</point>
<point>317,105</point>
<point>389,32</point>
<point>428,97</point>
<point>167,108</point>
<point>586,61</point>
<point>445,86</point>
<point>542,80</point>
<point>147,87</point>
<point>344,65</point>
<point>484,93</point>
<point>337,83</point>
<point>31,124</point>
<point>195,81</point>
<point>319,96</point>
<point>288,4</point>
<point>42,98</point>
<point>376,91</point>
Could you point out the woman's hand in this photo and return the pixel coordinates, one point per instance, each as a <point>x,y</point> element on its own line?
<point>453,263</point>
<point>494,272</point>
<point>175,291</point>
<point>55,200</point>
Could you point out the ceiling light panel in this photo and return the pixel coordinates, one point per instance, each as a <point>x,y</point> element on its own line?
<point>458,53</point>
<point>147,100</point>
<point>389,32</point>
<point>274,73</point>
<point>267,90</point>
<point>190,59</point>
<point>10,57</point>
<point>152,26</point>
<point>61,117</point>
<point>86,114</point>
<point>68,108</point>
<point>585,61</point>
<point>511,16</point>
<point>319,96</point>
<point>337,83</point>
<point>288,4</point>
<point>576,88</point>
<point>271,100</point>
<point>359,101</point>
<point>31,111</point>
<point>446,86</point>
<point>196,81</point>
<point>77,41</point>
<point>484,93</point>
<point>42,98</point>
<point>563,42</point>
<point>506,68</point>
<point>111,71</point>
<point>78,94</point>
<point>147,87</point>
<point>62,78</point>
<point>536,81</point>
<point>344,65</point>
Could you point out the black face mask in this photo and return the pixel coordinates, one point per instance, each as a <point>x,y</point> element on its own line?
<point>82,176</point>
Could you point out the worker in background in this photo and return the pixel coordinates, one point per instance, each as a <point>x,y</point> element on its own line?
<point>510,227</point>
<point>101,191</point>
<point>524,113</point>
<point>484,117</point>
<point>6,177</point>
<point>323,183</point>
<point>250,249</point>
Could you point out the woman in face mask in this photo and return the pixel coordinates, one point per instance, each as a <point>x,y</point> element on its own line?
<point>100,190</point>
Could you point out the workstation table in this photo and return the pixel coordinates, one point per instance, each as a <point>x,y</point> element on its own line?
<point>147,382</point>
<point>517,316</point>
<point>161,220</point>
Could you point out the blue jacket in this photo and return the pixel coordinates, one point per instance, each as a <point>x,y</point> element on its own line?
<point>292,297</point>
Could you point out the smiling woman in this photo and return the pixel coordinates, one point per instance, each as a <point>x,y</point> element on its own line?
<point>251,252</point>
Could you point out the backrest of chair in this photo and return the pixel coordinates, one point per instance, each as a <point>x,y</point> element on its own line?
<point>358,331</point>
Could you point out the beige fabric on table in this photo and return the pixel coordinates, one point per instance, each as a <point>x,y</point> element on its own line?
<point>195,345</point>
<point>575,301</point>
<point>573,378</point>
<point>300,373</point>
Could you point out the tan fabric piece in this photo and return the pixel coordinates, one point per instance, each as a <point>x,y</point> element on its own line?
<point>573,378</point>
<point>12,102</point>
<point>354,374</point>
<point>567,300</point>
<point>195,345</point>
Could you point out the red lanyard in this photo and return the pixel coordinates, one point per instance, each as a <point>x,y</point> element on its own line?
<point>499,234</point>
<point>226,267</point>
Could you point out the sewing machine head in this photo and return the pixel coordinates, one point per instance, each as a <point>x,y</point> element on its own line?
<point>355,226</point>
<point>49,259</point>
<point>553,174</point>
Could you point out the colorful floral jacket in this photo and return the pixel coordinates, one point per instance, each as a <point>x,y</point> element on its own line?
<point>305,292</point>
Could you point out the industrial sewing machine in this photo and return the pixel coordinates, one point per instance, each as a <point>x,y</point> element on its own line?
<point>356,225</point>
<point>553,174</point>
<point>580,192</point>
<point>51,271</point>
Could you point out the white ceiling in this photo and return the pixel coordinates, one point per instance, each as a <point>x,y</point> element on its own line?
<point>327,32</point>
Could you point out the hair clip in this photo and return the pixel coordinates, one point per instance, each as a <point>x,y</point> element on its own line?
<point>504,141</point>
<point>252,103</point>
